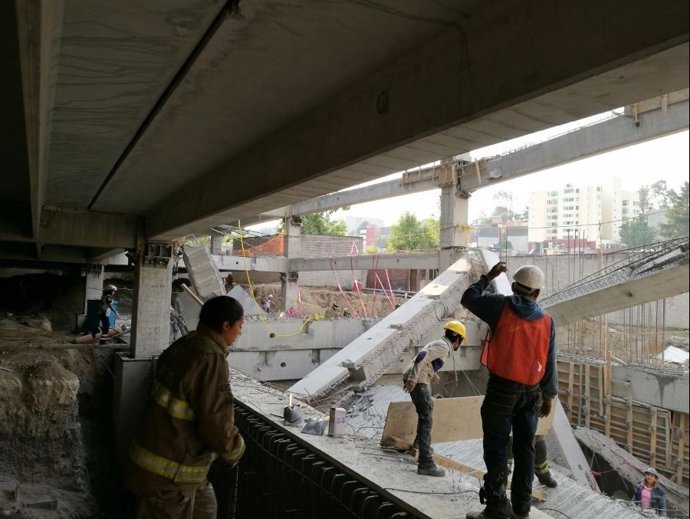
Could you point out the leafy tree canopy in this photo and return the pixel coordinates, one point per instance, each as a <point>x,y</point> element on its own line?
<point>676,213</point>
<point>409,233</point>
<point>504,209</point>
<point>636,232</point>
<point>658,197</point>
<point>321,223</point>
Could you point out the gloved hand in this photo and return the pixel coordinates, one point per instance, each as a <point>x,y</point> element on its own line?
<point>545,410</point>
<point>497,270</point>
<point>233,457</point>
<point>409,385</point>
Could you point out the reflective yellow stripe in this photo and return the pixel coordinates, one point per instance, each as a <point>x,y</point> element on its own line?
<point>176,408</point>
<point>166,468</point>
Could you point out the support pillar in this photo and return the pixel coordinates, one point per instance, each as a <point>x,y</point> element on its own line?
<point>94,283</point>
<point>151,305</point>
<point>455,229</point>
<point>289,288</point>
<point>150,335</point>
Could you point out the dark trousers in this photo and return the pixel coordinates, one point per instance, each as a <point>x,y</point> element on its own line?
<point>541,463</point>
<point>104,327</point>
<point>179,505</point>
<point>424,405</point>
<point>509,406</point>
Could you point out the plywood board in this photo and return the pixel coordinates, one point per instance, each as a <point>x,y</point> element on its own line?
<point>455,419</point>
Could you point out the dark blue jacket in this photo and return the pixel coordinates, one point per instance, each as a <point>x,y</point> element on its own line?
<point>658,498</point>
<point>488,308</point>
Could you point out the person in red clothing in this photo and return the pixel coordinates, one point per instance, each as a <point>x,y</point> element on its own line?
<point>520,355</point>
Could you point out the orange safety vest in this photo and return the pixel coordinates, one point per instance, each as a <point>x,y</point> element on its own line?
<point>518,349</point>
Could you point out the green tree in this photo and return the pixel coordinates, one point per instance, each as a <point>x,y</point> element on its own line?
<point>676,213</point>
<point>412,234</point>
<point>321,224</point>
<point>504,212</point>
<point>636,232</point>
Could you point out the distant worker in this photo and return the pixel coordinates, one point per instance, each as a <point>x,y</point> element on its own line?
<point>649,495</point>
<point>106,309</point>
<point>417,377</point>
<point>332,312</point>
<point>520,355</point>
<point>268,304</point>
<point>189,420</point>
<point>541,463</point>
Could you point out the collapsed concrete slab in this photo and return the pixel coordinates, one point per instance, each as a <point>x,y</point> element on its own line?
<point>203,272</point>
<point>648,275</point>
<point>366,358</point>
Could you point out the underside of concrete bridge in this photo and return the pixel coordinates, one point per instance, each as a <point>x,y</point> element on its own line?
<point>130,125</point>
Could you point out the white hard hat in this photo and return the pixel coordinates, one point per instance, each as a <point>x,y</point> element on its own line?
<point>111,288</point>
<point>652,471</point>
<point>529,276</point>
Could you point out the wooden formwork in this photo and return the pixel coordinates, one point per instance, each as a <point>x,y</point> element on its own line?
<point>652,434</point>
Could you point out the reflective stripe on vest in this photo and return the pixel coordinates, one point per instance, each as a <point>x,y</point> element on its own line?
<point>175,407</point>
<point>166,468</point>
<point>518,349</point>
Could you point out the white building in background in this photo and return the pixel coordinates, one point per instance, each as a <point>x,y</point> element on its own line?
<point>591,213</point>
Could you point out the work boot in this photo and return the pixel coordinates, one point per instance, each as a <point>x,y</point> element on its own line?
<point>433,470</point>
<point>524,515</point>
<point>547,480</point>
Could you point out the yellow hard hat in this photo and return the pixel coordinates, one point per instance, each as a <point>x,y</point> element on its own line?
<point>457,327</point>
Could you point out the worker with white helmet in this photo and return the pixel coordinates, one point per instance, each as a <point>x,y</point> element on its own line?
<point>649,495</point>
<point>417,378</point>
<point>105,311</point>
<point>520,354</point>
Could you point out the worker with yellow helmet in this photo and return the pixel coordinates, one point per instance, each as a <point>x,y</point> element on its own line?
<point>417,378</point>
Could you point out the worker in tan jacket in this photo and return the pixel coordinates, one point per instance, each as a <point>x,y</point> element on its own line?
<point>189,420</point>
<point>417,379</point>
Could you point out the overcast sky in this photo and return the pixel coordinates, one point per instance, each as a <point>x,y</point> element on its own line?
<point>643,164</point>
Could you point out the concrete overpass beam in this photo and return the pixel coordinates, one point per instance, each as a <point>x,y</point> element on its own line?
<point>603,137</point>
<point>452,81</point>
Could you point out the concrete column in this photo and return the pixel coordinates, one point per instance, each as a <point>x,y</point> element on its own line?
<point>216,242</point>
<point>289,289</point>
<point>454,219</point>
<point>151,305</point>
<point>94,283</point>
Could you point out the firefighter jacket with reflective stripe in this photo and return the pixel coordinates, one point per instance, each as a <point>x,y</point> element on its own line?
<point>189,419</point>
<point>518,348</point>
<point>428,361</point>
